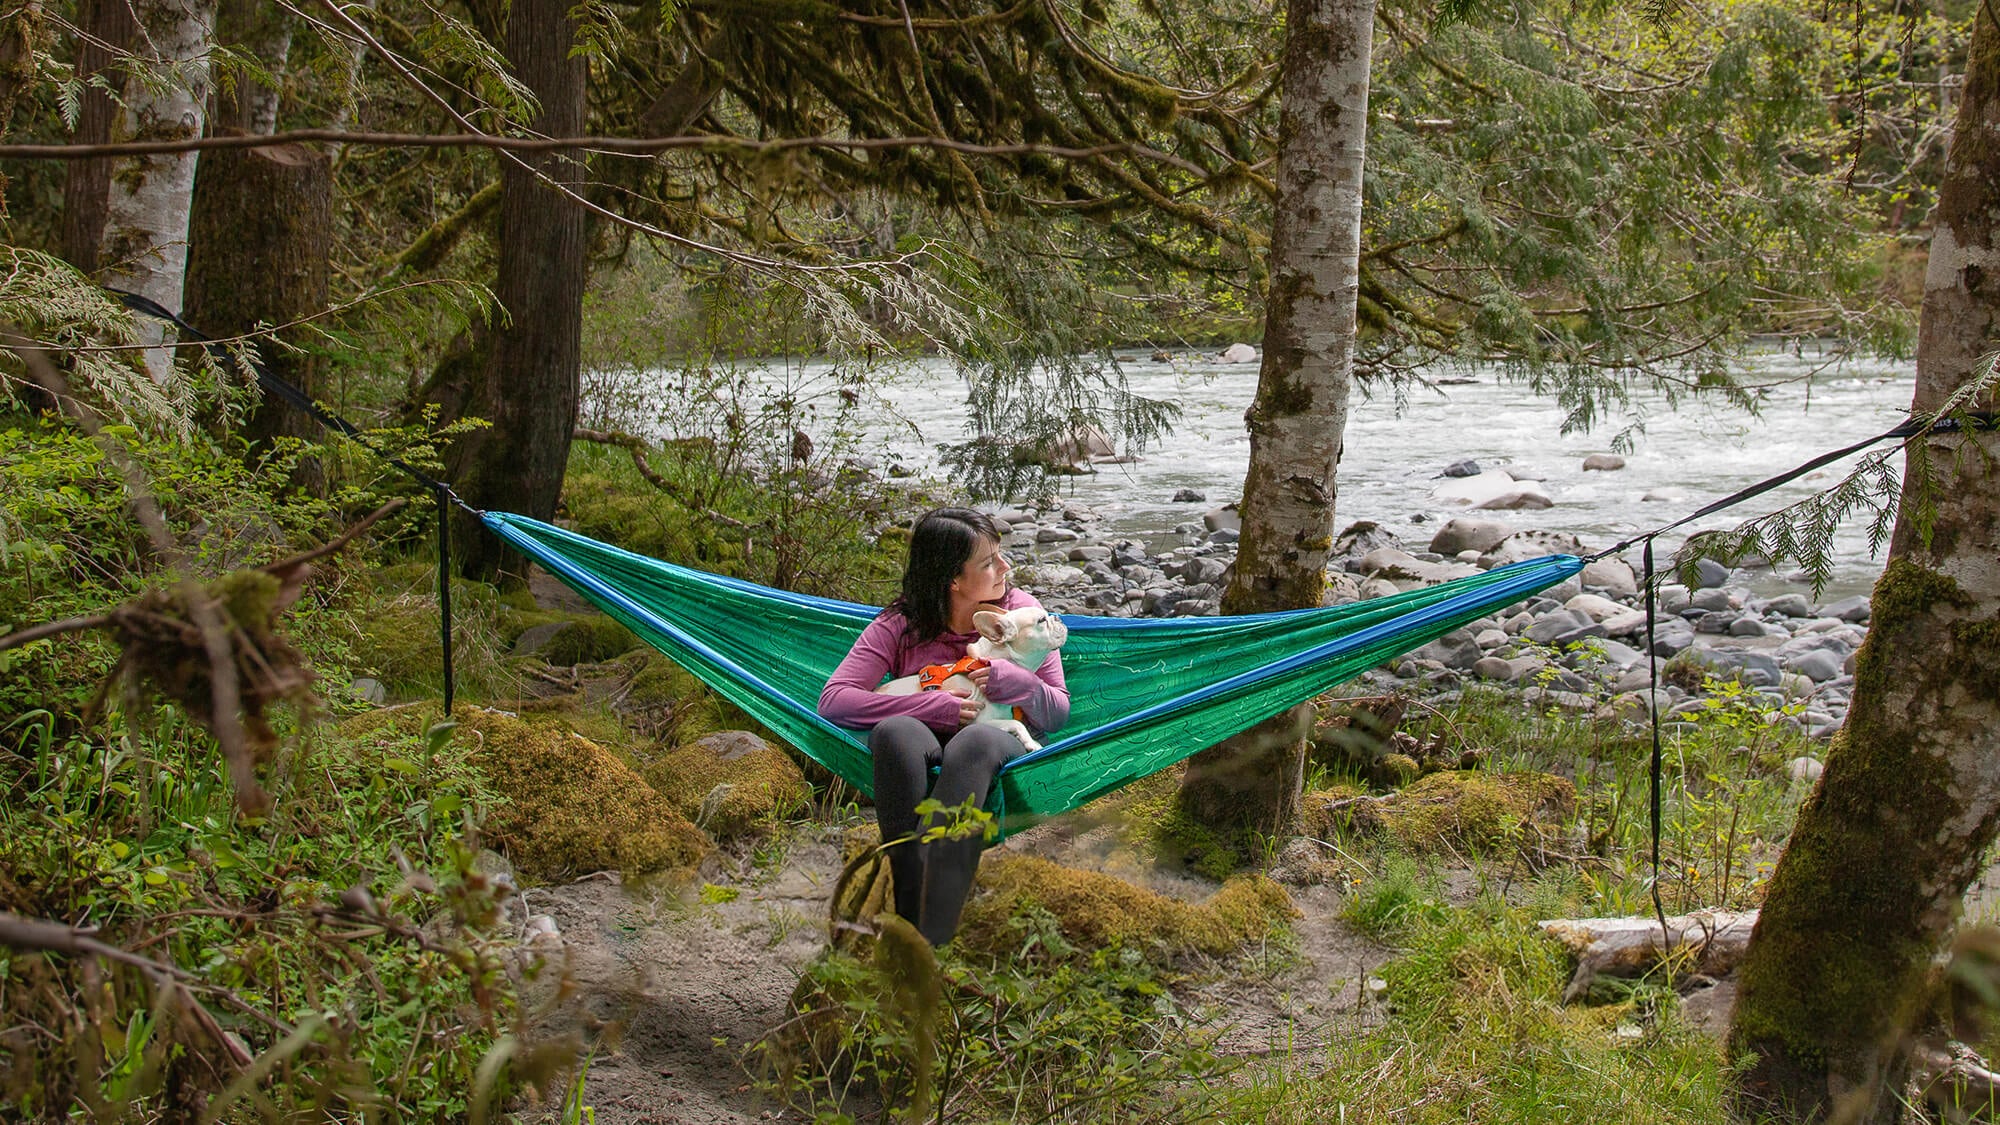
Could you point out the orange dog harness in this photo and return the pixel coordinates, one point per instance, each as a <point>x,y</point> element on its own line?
<point>931,677</point>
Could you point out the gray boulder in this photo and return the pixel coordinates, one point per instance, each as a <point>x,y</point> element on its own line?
<point>1362,537</point>
<point>1819,665</point>
<point>1603,462</point>
<point>1612,574</point>
<point>1215,519</point>
<point>1853,610</point>
<point>1470,533</point>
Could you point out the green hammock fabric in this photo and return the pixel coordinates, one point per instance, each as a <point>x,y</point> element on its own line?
<point>1144,693</point>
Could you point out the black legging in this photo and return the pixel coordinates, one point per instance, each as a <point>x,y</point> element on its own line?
<point>932,880</point>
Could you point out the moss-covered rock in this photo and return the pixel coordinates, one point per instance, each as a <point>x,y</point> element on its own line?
<point>1096,910</point>
<point>730,782</point>
<point>1476,811</point>
<point>1324,813</point>
<point>564,639</point>
<point>568,805</point>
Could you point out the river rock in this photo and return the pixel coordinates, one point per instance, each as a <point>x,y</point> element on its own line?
<point>1532,544</point>
<point>1854,609</point>
<point>1711,573</point>
<point>1603,463</point>
<point>1594,606</point>
<point>1227,516</point>
<point>1204,569</point>
<point>1057,535</point>
<point>1630,623</point>
<point>1463,468</point>
<point>1474,492</point>
<point>1455,650</point>
<point>1238,353</point>
<point>1340,589</point>
<point>1672,598</point>
<point>1555,625</point>
<point>1818,666</point>
<point>1190,496</point>
<point>1490,639</point>
<point>1090,553</point>
<point>1470,533</point>
<point>1224,535</point>
<point>1747,626</point>
<point>1713,599</point>
<point>1672,636</point>
<point>1363,536</point>
<point>1805,771</point>
<point>1083,445</point>
<point>1037,576</point>
<point>1789,605</point>
<point>1614,575</point>
<point>1526,495</point>
<point>1378,588</point>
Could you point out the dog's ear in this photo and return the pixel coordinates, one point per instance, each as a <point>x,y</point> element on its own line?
<point>996,627</point>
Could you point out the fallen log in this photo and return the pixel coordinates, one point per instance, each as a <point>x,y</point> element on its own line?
<point>1709,942</point>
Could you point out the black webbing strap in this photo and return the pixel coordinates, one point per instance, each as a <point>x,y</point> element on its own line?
<point>1914,427</point>
<point>439,490</point>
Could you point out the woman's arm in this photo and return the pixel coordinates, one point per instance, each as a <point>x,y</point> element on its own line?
<point>849,698</point>
<point>1041,695</point>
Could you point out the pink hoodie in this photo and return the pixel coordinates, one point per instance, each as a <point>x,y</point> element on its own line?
<point>881,653</point>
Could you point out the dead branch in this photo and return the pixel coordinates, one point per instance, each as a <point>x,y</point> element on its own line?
<point>1712,941</point>
<point>35,633</point>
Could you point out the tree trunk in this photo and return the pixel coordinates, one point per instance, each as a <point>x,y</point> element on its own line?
<point>144,244</point>
<point>260,241</point>
<point>264,31</point>
<point>529,383</point>
<point>1873,878</point>
<point>1299,413</point>
<point>107,27</point>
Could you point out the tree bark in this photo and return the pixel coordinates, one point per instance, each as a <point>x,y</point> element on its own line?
<point>1872,881</point>
<point>108,27</point>
<point>1297,418</point>
<point>260,243</point>
<point>529,383</point>
<point>265,32</point>
<point>144,244</point>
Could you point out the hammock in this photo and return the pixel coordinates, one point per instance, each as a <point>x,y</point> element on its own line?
<point>1144,693</point>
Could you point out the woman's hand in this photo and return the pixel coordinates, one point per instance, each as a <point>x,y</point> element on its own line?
<point>979,676</point>
<point>968,708</point>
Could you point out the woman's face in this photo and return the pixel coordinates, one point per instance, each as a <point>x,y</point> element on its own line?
<point>983,578</point>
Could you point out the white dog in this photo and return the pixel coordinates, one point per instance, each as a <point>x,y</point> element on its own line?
<point>1022,636</point>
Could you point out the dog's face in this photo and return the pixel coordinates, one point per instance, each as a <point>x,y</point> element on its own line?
<point>1026,635</point>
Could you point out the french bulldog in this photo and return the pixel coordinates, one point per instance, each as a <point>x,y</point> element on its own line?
<point>1022,636</point>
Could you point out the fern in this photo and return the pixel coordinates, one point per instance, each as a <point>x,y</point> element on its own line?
<point>50,302</point>
<point>1803,532</point>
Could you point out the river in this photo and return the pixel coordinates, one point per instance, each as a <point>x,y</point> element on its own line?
<point>1683,458</point>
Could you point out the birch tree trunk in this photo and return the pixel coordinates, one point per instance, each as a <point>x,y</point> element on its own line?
<point>1871,883</point>
<point>1299,413</point>
<point>144,244</point>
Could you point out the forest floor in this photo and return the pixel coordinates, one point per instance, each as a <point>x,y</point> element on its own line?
<point>693,986</point>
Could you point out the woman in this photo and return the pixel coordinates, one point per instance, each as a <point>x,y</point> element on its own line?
<point>955,566</point>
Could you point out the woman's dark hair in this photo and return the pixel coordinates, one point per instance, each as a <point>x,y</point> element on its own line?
<point>940,544</point>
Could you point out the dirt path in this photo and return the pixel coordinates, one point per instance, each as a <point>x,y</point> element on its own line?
<point>685,986</point>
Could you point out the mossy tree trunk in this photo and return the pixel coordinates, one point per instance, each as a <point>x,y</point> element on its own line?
<point>260,244</point>
<point>1873,878</point>
<point>527,377</point>
<point>1300,410</point>
<point>108,28</point>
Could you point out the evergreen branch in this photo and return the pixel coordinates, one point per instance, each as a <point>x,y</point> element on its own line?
<point>639,146</point>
